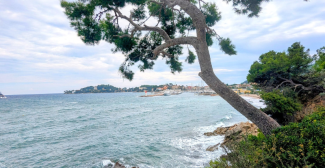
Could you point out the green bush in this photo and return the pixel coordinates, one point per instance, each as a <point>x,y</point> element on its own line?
<point>294,145</point>
<point>281,105</point>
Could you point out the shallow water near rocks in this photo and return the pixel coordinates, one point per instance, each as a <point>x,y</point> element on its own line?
<point>93,130</point>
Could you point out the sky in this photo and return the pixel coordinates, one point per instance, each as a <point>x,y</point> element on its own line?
<point>40,53</point>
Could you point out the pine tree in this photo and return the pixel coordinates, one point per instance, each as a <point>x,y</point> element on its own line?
<point>97,20</point>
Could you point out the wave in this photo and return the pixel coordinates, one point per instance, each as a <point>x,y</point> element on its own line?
<point>108,163</point>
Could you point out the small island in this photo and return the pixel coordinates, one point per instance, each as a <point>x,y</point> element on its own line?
<point>112,89</point>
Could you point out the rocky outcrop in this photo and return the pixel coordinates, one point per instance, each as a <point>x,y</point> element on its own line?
<point>220,131</point>
<point>233,133</point>
<point>309,108</point>
<point>116,165</point>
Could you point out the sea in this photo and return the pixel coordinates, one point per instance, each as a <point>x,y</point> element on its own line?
<point>97,130</point>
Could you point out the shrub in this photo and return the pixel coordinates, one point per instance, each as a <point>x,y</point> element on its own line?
<point>281,105</point>
<point>294,145</point>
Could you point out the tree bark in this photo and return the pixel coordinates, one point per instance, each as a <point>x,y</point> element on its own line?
<point>264,122</point>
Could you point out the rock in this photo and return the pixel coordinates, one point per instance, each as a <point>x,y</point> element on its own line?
<point>209,134</point>
<point>220,131</point>
<point>233,133</point>
<point>213,148</point>
<point>118,165</point>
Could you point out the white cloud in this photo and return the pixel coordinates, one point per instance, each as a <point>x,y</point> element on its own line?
<point>40,50</point>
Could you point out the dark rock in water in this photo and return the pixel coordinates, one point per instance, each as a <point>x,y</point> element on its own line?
<point>118,165</point>
<point>213,148</point>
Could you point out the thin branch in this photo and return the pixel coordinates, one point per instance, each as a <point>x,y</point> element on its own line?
<point>281,84</point>
<point>155,13</point>
<point>116,17</point>
<point>99,15</point>
<point>137,27</point>
<point>167,54</point>
<point>177,41</point>
<point>212,31</point>
<point>295,84</point>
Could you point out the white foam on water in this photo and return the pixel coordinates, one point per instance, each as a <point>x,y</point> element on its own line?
<point>228,117</point>
<point>2,165</point>
<point>108,163</point>
<point>259,103</point>
<point>145,166</point>
<point>195,146</point>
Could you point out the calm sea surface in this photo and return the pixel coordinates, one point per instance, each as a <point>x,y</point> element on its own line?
<point>93,130</point>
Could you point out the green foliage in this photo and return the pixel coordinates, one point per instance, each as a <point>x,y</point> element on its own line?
<point>191,58</point>
<point>302,143</point>
<point>320,63</point>
<point>184,24</point>
<point>227,47</point>
<point>175,65</point>
<point>91,89</point>
<point>139,13</point>
<point>294,145</point>
<point>290,70</point>
<point>151,87</point>
<point>97,20</point>
<point>250,7</point>
<point>280,106</point>
<point>125,72</point>
<point>209,40</point>
<point>273,65</point>
<point>210,10</point>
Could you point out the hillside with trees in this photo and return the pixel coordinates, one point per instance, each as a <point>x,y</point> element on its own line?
<point>289,81</point>
<point>292,85</point>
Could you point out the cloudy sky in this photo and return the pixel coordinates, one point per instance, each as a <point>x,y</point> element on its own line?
<point>40,53</point>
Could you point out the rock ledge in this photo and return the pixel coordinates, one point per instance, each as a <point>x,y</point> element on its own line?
<point>232,133</point>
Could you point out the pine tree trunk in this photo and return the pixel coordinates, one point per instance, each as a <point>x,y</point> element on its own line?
<point>264,122</point>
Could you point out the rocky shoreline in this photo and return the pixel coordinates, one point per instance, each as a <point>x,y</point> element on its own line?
<point>232,133</point>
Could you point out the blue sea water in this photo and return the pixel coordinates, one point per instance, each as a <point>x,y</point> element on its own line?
<point>94,130</point>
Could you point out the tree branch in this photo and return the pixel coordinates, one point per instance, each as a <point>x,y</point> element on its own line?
<point>296,85</point>
<point>149,28</point>
<point>165,53</point>
<point>177,41</point>
<point>281,84</point>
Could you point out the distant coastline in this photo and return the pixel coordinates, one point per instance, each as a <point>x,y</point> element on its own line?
<point>241,89</point>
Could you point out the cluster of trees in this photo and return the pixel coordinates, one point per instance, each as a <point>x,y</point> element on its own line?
<point>289,80</point>
<point>111,89</point>
<point>151,87</point>
<point>92,89</point>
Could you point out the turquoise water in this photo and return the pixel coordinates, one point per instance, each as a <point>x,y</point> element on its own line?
<point>93,130</point>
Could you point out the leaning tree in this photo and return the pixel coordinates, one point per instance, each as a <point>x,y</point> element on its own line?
<point>176,21</point>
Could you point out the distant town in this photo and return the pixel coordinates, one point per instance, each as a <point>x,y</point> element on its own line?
<point>243,88</point>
